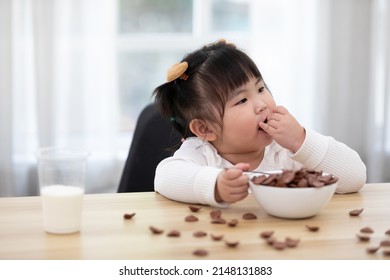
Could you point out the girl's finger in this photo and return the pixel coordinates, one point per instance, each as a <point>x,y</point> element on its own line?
<point>239,190</point>
<point>232,173</point>
<point>242,165</point>
<point>281,110</point>
<point>268,127</point>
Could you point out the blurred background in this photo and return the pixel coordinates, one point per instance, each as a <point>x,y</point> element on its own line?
<point>78,72</point>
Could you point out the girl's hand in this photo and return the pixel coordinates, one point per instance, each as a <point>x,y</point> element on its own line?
<point>232,184</point>
<point>284,129</point>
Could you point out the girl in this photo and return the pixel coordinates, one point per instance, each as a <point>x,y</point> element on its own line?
<point>217,99</point>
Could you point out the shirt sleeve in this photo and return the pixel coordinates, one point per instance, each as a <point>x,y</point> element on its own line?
<point>185,177</point>
<point>325,153</point>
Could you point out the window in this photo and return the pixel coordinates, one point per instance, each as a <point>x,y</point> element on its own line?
<point>150,16</point>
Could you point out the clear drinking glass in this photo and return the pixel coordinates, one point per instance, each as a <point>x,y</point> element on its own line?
<point>61,173</point>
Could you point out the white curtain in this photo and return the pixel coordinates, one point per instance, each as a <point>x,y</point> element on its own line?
<point>58,87</point>
<point>5,100</point>
<point>378,137</point>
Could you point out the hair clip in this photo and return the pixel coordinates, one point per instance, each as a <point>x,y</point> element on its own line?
<point>223,41</point>
<point>177,71</point>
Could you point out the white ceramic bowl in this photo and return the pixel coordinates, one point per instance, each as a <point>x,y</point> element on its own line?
<point>292,203</point>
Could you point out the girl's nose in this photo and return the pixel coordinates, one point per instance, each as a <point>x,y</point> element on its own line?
<point>260,106</point>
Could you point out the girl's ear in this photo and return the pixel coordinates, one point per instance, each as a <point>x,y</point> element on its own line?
<point>202,130</point>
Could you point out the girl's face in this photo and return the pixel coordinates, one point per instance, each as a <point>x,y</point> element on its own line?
<point>241,139</point>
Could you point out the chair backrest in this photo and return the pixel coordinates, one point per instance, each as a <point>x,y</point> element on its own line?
<point>154,139</point>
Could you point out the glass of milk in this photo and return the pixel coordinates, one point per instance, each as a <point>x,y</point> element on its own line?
<point>61,173</point>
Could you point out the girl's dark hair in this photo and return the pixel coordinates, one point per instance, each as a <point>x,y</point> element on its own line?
<point>214,72</point>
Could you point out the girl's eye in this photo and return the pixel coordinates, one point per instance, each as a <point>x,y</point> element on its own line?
<point>241,101</point>
<point>261,89</point>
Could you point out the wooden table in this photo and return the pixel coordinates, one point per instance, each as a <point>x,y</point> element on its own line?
<point>106,234</point>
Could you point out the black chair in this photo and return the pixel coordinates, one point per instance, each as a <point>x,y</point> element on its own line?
<point>154,139</point>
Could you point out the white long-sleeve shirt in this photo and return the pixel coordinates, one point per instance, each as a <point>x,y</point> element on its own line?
<point>190,175</point>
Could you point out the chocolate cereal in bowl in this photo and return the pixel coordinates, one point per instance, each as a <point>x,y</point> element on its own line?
<point>293,194</point>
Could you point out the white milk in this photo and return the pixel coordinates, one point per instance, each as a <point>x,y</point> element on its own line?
<point>62,206</point>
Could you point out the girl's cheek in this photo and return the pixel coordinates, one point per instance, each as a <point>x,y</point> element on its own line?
<point>270,105</point>
<point>271,102</point>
